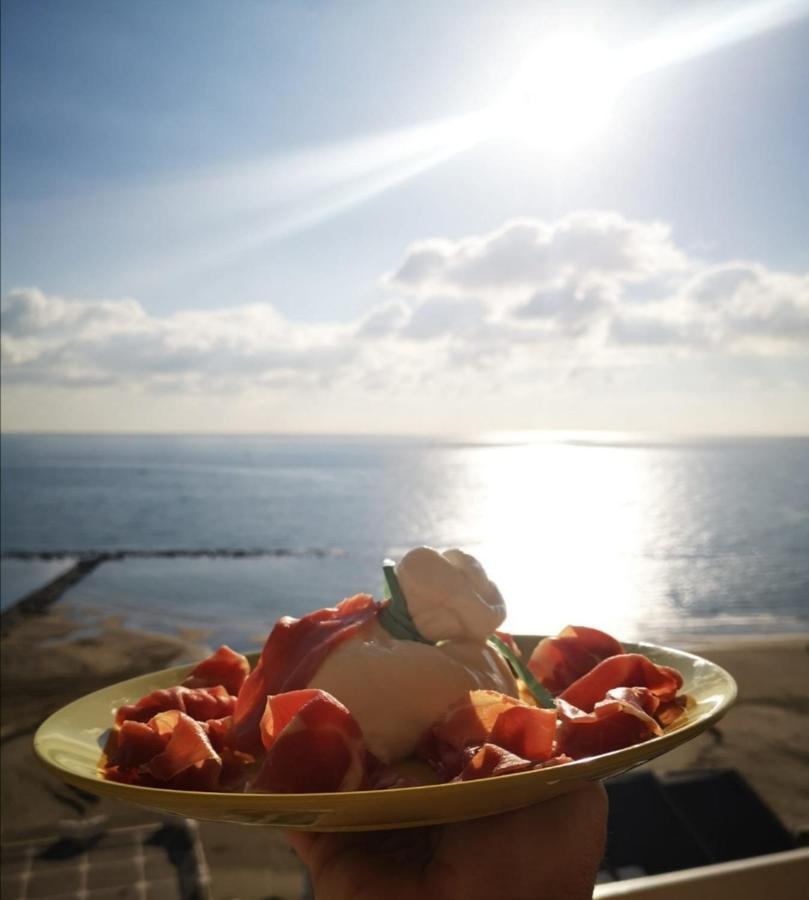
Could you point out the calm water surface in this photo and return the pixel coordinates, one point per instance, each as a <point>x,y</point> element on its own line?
<point>649,539</point>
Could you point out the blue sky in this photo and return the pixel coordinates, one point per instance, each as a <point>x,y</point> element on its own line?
<point>177,160</point>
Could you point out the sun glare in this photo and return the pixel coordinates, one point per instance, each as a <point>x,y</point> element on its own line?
<point>562,96</point>
<point>559,100</point>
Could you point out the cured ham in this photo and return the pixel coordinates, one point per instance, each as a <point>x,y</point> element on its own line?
<point>312,744</point>
<point>218,731</point>
<point>669,711</point>
<point>292,654</point>
<point>624,717</point>
<point>135,744</point>
<point>526,731</point>
<point>171,750</point>
<point>559,661</point>
<point>224,667</point>
<point>626,670</point>
<point>188,761</point>
<point>235,764</point>
<point>471,719</point>
<point>486,717</point>
<point>490,760</point>
<point>199,703</point>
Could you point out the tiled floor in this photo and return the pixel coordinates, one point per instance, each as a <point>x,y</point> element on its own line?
<point>135,863</point>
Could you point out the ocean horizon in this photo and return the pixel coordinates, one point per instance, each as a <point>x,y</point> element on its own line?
<point>650,537</point>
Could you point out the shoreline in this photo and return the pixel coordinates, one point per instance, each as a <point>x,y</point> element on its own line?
<point>697,643</point>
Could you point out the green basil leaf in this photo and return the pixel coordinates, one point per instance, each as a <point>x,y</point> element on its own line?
<point>541,694</point>
<point>394,616</point>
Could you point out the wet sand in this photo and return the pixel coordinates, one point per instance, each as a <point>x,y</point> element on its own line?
<point>47,661</point>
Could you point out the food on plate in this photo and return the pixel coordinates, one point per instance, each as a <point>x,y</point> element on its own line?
<point>558,661</point>
<point>455,608</point>
<point>341,697</point>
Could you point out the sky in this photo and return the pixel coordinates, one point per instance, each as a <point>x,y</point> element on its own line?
<point>426,217</point>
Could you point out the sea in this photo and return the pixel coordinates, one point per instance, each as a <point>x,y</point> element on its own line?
<point>217,536</point>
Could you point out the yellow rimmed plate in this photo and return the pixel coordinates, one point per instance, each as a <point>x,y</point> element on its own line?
<point>70,742</point>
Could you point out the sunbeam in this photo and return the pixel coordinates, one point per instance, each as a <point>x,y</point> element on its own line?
<point>561,97</point>
<point>268,201</point>
<point>690,38</point>
<point>455,136</point>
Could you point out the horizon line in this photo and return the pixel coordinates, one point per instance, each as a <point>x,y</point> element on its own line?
<point>502,433</point>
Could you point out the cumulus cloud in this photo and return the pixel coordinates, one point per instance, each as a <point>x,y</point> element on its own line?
<point>30,312</point>
<point>752,302</point>
<point>47,338</point>
<point>527,253</point>
<point>569,308</point>
<point>441,317</point>
<point>588,289</point>
<point>383,320</point>
<point>612,282</point>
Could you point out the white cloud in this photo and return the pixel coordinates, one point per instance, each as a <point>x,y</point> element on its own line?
<point>611,283</point>
<point>754,303</point>
<point>47,338</point>
<point>30,312</point>
<point>382,320</point>
<point>530,254</point>
<point>442,317</point>
<point>589,290</point>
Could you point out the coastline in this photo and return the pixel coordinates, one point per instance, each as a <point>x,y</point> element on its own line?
<point>48,660</point>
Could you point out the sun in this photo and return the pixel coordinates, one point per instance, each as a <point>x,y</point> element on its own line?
<point>562,95</point>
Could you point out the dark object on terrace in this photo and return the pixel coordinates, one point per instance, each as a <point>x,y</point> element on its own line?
<point>686,819</point>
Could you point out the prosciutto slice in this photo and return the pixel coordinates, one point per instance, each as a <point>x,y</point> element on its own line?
<point>624,717</point>
<point>199,703</point>
<point>218,731</point>
<point>488,717</point>
<point>626,670</point>
<point>525,730</point>
<point>471,719</point>
<point>225,667</point>
<point>188,761</point>
<point>135,744</point>
<point>172,750</point>
<point>291,656</point>
<point>489,760</point>
<point>559,661</point>
<point>313,744</point>
<point>235,764</point>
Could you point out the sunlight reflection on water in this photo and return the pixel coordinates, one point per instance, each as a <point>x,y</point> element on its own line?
<point>559,528</point>
<point>642,541</point>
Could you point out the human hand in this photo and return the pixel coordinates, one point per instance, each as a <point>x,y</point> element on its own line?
<point>550,851</point>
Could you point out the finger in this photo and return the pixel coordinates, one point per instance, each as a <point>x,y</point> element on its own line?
<point>317,849</point>
<point>302,842</point>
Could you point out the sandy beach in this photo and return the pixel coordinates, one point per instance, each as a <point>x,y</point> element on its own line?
<point>47,661</point>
